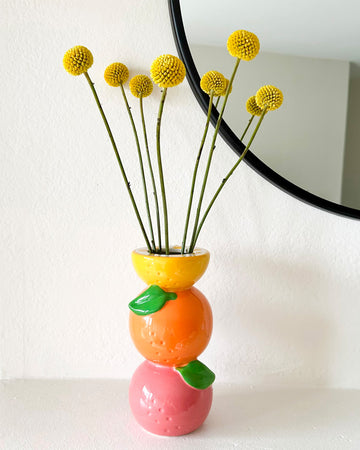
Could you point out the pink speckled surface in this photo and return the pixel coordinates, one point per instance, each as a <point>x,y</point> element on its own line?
<point>164,404</point>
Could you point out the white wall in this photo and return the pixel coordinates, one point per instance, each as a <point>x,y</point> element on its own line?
<point>303,140</point>
<point>283,279</point>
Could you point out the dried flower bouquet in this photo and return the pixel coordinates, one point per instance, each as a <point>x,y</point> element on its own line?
<point>168,71</point>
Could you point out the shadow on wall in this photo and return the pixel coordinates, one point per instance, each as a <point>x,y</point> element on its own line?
<point>281,327</point>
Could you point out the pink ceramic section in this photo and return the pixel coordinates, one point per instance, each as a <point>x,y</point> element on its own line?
<point>164,404</point>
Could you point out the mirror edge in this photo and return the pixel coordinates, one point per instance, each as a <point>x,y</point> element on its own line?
<point>231,139</point>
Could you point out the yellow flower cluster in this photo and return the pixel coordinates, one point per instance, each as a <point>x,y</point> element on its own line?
<point>243,44</point>
<point>167,71</point>
<point>141,86</point>
<point>270,97</point>
<point>116,74</point>
<point>77,60</point>
<point>213,81</point>
<point>225,88</point>
<point>252,107</point>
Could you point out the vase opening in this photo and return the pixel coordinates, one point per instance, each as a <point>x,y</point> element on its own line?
<point>170,272</point>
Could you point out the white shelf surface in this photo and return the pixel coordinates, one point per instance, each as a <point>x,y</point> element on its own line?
<point>94,414</point>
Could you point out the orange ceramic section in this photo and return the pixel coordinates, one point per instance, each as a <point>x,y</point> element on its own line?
<point>176,334</point>
<point>172,273</point>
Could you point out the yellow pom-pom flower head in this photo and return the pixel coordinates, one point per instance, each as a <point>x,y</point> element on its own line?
<point>270,97</point>
<point>213,81</point>
<point>252,107</point>
<point>141,86</point>
<point>225,88</point>
<point>167,71</point>
<point>77,60</point>
<point>116,74</point>
<point>243,44</point>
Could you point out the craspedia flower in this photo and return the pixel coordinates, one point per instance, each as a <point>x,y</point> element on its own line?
<point>243,44</point>
<point>167,71</point>
<point>269,96</point>
<point>225,88</point>
<point>116,74</point>
<point>141,86</point>
<point>77,60</point>
<point>213,81</point>
<point>252,107</point>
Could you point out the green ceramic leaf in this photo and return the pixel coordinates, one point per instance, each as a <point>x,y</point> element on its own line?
<point>197,374</point>
<point>151,300</point>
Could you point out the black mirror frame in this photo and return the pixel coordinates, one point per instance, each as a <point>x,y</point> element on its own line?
<point>231,139</point>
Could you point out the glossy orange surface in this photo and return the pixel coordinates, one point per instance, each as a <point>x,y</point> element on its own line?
<point>176,334</point>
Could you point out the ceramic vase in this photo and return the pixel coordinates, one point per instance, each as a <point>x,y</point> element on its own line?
<point>171,324</point>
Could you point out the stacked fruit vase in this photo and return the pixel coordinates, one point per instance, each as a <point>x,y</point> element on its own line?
<point>171,324</point>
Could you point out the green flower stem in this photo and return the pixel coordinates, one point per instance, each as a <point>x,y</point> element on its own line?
<point>161,175</point>
<point>151,172</point>
<point>196,169</point>
<point>91,84</point>
<point>141,167</point>
<point>229,174</point>
<point>248,125</point>
<point>212,148</point>
<point>217,102</point>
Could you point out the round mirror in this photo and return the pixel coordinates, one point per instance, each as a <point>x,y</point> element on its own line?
<point>310,147</point>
